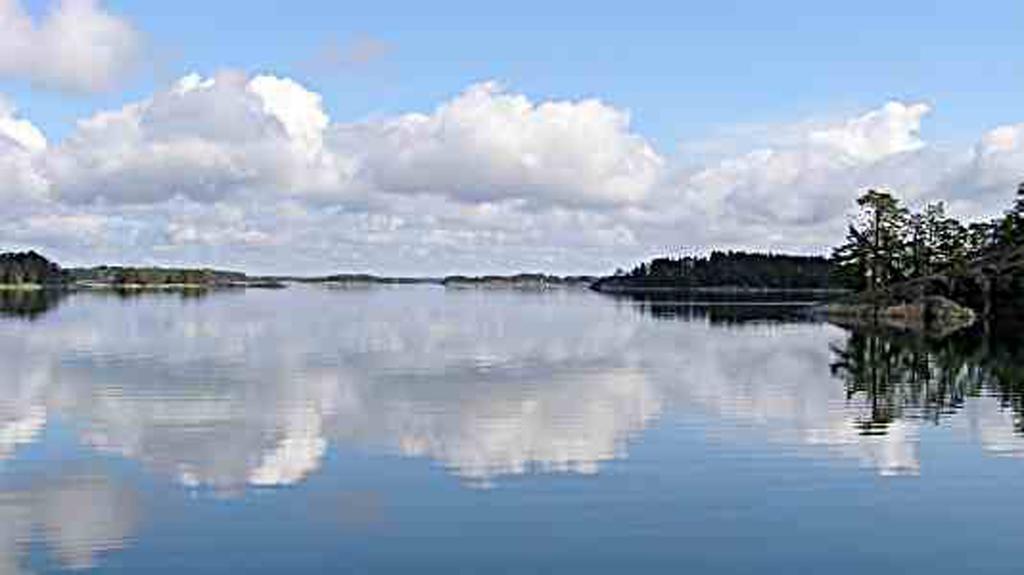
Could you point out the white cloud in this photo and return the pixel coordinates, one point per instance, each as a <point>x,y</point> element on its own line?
<point>892,129</point>
<point>208,139</point>
<point>299,110</point>
<point>77,46</point>
<point>20,145</point>
<point>204,139</point>
<point>488,144</point>
<point>994,167</point>
<point>794,193</point>
<point>19,132</point>
<point>250,171</point>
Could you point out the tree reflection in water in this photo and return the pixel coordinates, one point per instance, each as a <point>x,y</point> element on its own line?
<point>32,304</point>
<point>29,304</point>
<point>724,308</point>
<point>907,376</point>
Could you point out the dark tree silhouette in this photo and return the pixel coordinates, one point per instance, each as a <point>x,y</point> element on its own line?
<point>726,270</point>
<point>29,268</point>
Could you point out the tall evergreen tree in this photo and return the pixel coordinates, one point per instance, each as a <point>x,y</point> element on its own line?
<point>873,255</point>
<point>1012,228</point>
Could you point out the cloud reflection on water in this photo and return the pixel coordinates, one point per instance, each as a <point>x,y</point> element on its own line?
<point>251,390</point>
<point>77,514</point>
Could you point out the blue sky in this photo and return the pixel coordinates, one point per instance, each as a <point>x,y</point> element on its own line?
<point>684,69</point>
<point>561,136</point>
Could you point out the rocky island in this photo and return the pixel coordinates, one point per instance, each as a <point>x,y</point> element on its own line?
<point>32,271</point>
<point>920,271</point>
<point>928,271</point>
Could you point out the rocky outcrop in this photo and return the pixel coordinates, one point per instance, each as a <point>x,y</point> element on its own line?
<point>989,287</point>
<point>930,315</point>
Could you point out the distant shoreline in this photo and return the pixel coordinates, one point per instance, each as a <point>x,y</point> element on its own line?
<point>642,290</point>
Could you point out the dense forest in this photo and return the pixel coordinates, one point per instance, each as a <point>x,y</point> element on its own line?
<point>732,269</point>
<point>891,256</point>
<point>887,243</point>
<point>901,254</point>
<point>29,268</point>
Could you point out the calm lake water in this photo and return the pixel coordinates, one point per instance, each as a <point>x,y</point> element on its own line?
<point>418,430</point>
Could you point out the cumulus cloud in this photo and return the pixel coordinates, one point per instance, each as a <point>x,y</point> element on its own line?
<point>77,46</point>
<point>20,144</point>
<point>19,132</point>
<point>488,144</point>
<point>251,171</point>
<point>210,138</point>
<point>892,129</point>
<point>994,166</point>
<point>794,193</point>
<point>204,139</point>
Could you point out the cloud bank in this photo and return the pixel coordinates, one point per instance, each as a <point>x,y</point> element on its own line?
<point>77,46</point>
<point>250,170</point>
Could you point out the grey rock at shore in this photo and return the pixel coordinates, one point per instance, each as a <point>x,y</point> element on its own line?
<point>931,315</point>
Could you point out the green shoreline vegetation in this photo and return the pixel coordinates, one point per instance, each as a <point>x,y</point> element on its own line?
<point>912,270</point>
<point>720,271</point>
<point>918,271</point>
<point>926,270</point>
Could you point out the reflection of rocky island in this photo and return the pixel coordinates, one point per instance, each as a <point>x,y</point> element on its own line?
<point>29,304</point>
<point>717,307</point>
<point>907,376</point>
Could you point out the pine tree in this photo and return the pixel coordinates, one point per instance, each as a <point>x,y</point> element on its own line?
<point>874,254</point>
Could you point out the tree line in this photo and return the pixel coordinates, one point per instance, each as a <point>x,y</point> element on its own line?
<point>887,243</point>
<point>730,269</point>
<point>889,249</point>
<point>155,276</point>
<point>31,268</point>
<point>20,268</point>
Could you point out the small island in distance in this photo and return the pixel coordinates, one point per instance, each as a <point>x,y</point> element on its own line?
<point>912,270</point>
<point>31,270</point>
<point>724,271</point>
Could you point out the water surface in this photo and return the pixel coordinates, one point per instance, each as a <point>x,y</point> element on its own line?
<point>421,430</point>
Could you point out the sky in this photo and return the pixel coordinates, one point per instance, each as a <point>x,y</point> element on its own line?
<point>468,137</point>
